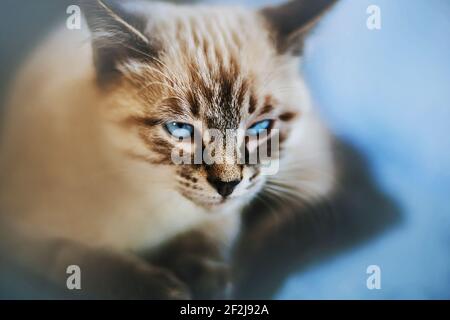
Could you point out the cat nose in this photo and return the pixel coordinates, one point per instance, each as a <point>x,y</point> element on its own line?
<point>224,188</point>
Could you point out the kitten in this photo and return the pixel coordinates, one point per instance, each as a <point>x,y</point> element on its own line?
<point>87,170</point>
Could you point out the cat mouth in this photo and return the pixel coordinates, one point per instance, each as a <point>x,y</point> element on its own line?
<point>208,202</point>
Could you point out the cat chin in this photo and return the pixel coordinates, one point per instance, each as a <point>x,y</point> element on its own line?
<point>212,206</point>
<point>219,206</point>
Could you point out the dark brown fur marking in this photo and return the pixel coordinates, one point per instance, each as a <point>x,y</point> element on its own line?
<point>253,104</point>
<point>288,116</point>
<point>268,108</point>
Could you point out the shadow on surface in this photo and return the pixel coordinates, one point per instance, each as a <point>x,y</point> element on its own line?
<point>270,250</point>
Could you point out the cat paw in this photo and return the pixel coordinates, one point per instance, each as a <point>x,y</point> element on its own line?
<point>206,278</point>
<point>159,284</point>
<point>110,275</point>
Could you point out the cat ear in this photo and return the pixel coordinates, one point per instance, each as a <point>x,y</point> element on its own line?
<point>117,30</point>
<point>290,22</point>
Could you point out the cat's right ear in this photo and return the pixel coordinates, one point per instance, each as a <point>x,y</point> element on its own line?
<point>118,34</point>
<point>290,22</point>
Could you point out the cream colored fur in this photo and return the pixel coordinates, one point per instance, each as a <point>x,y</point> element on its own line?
<point>61,173</point>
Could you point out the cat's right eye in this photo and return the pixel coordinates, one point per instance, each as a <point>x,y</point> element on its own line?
<point>179,130</point>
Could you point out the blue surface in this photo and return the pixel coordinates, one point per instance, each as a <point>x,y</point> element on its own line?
<point>388,93</point>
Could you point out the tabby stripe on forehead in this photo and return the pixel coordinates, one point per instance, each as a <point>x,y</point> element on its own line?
<point>253,102</point>
<point>193,103</point>
<point>172,106</point>
<point>268,108</point>
<point>268,105</point>
<point>242,91</point>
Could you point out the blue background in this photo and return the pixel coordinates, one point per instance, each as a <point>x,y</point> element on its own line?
<point>387,92</point>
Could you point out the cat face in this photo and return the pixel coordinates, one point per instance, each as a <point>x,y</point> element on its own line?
<point>201,90</point>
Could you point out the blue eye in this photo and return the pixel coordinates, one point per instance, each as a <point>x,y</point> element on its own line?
<point>179,130</point>
<point>258,127</point>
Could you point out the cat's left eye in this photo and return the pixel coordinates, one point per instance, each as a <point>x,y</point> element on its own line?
<point>179,130</point>
<point>259,127</point>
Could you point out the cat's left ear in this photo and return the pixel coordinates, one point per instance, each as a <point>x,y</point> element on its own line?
<point>289,23</point>
<point>118,34</point>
